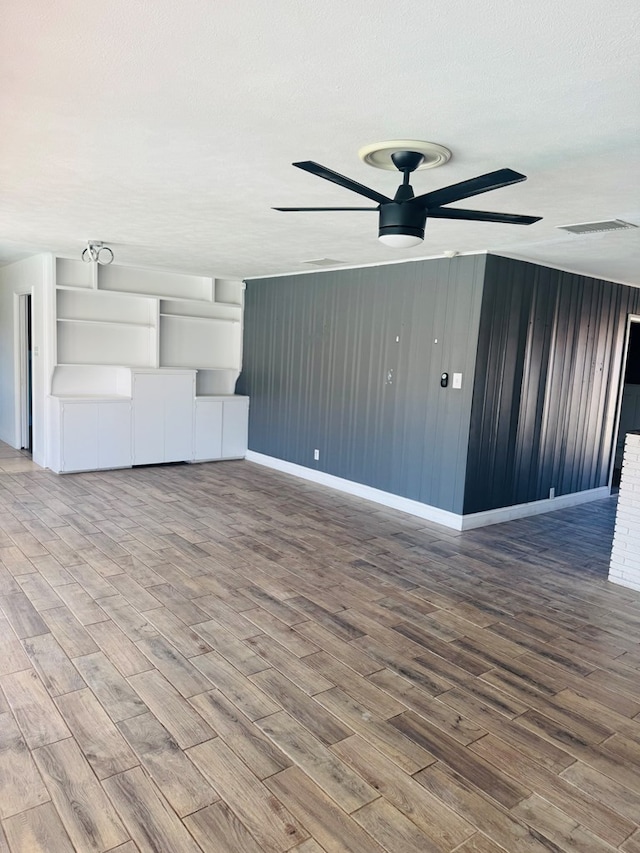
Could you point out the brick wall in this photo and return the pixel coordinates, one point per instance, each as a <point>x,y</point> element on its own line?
<point>625,552</point>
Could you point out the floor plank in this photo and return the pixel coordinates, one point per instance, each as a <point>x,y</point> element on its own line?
<point>21,786</point>
<point>52,664</point>
<point>174,712</point>
<point>175,775</point>
<point>221,657</point>
<point>218,830</point>
<point>34,710</point>
<point>102,744</point>
<point>444,826</point>
<point>259,753</point>
<point>326,821</point>
<point>152,823</point>
<point>319,763</point>
<point>37,830</point>
<point>85,811</point>
<point>267,820</point>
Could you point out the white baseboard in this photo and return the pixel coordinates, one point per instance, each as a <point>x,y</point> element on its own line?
<point>426,511</point>
<point>431,513</point>
<point>508,513</point>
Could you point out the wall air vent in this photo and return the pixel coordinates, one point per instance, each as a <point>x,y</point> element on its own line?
<point>323,262</point>
<point>596,227</point>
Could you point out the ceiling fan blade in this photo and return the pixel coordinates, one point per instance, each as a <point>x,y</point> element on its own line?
<point>480,216</point>
<point>347,183</point>
<point>293,209</point>
<point>465,189</point>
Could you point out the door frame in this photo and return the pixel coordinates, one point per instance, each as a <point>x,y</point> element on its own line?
<point>631,318</point>
<point>23,325</point>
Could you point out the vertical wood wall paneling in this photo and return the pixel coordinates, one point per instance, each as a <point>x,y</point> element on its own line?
<point>318,352</point>
<point>547,371</point>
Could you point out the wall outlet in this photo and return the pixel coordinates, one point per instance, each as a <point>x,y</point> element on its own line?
<point>316,455</point>
<point>552,492</point>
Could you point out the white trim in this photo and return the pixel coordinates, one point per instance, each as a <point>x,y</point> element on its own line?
<point>514,256</point>
<point>24,386</point>
<point>431,513</point>
<point>426,511</point>
<point>631,318</point>
<point>508,255</point>
<point>337,268</point>
<point>507,513</point>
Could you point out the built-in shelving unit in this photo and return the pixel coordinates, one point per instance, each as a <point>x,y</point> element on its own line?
<point>121,330</point>
<point>201,336</point>
<point>133,280</point>
<point>100,328</point>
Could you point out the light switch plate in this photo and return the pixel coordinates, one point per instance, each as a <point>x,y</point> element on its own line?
<point>457,380</point>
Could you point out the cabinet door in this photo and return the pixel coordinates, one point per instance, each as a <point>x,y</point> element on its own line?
<point>79,436</point>
<point>114,435</point>
<point>179,393</point>
<point>235,417</point>
<point>208,430</point>
<point>148,419</point>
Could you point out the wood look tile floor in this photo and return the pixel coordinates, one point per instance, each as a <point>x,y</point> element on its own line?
<point>221,658</point>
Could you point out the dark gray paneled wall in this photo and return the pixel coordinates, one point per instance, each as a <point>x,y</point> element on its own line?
<point>547,374</point>
<point>319,350</point>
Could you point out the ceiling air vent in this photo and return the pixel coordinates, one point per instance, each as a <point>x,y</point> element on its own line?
<point>595,227</point>
<point>323,262</point>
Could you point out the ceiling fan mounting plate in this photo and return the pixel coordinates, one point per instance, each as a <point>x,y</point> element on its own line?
<point>378,154</point>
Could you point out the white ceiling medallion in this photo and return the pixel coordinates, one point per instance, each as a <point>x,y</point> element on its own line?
<point>378,154</point>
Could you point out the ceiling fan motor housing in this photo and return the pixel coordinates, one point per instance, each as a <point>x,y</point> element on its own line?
<point>402,218</point>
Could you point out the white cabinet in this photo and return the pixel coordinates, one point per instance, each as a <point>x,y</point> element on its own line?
<point>235,428</point>
<point>221,428</point>
<point>208,430</point>
<point>114,434</point>
<point>79,434</point>
<point>163,404</point>
<point>92,434</point>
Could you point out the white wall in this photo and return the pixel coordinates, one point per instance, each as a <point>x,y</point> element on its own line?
<point>33,275</point>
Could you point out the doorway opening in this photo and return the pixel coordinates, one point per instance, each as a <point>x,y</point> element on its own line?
<point>629,411</point>
<point>25,349</point>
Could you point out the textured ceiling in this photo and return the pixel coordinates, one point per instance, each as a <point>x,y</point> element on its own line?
<point>168,129</point>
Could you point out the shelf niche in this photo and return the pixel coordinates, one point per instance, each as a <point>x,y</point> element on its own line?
<point>76,274</point>
<point>103,328</point>
<point>147,282</point>
<point>207,337</point>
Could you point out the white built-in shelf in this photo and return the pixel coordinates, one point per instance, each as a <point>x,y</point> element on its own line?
<point>199,342</point>
<point>229,292</point>
<point>72,273</point>
<point>91,380</point>
<point>209,310</point>
<point>215,382</point>
<point>114,317</point>
<point>103,343</point>
<point>105,328</point>
<point>200,319</point>
<point>106,307</point>
<point>91,397</point>
<point>158,283</point>
<point>104,322</point>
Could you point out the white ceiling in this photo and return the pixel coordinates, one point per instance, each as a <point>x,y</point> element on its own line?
<point>167,129</point>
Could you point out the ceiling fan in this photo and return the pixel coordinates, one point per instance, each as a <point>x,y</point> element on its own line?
<point>403,217</point>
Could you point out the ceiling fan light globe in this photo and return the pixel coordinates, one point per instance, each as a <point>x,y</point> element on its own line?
<point>400,241</point>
